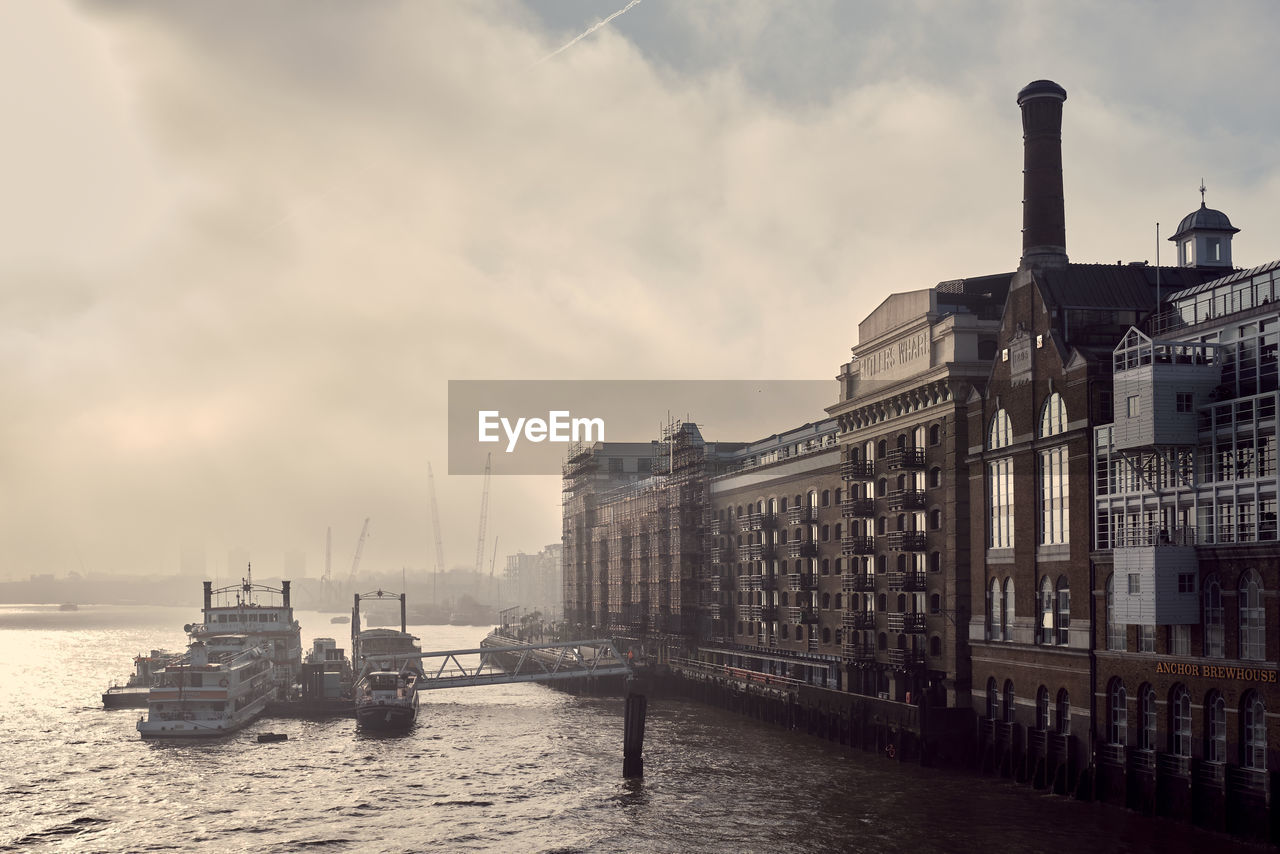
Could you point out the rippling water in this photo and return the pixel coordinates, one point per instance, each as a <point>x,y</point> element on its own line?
<point>501,768</point>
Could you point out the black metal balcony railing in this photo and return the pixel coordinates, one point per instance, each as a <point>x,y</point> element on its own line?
<point>907,623</point>
<point>906,581</point>
<point>712,610</point>
<point>858,651</point>
<point>715,555</point>
<point>907,499</point>
<point>858,582</point>
<point>857,469</point>
<point>750,582</point>
<point>906,658</point>
<point>713,527</point>
<point>858,508</point>
<point>906,541</point>
<point>853,545</point>
<point>801,515</point>
<point>753,551</point>
<point>769,612</point>
<point>793,614</point>
<point>768,582</point>
<point>802,548</point>
<point>858,620</point>
<point>905,458</point>
<point>750,612</point>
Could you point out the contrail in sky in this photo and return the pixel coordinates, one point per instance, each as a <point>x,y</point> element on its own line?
<point>588,31</point>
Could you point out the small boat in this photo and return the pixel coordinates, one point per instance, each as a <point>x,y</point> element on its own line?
<point>268,737</point>
<point>68,606</point>
<point>386,700</point>
<point>341,618</point>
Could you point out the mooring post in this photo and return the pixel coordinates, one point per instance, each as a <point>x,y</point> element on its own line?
<point>633,730</point>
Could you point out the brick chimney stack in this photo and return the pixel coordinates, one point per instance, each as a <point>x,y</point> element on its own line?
<point>1044,230</point>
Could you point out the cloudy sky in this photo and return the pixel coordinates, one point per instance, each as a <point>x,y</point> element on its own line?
<point>245,245</point>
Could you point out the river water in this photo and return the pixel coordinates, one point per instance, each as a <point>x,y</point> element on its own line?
<point>515,768</point>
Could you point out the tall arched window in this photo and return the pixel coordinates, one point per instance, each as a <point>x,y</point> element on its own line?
<point>1008,701</point>
<point>1047,607</point>
<point>1063,621</point>
<point>1042,709</point>
<point>993,700</point>
<point>1054,484</point>
<point>1180,721</point>
<point>1117,714</point>
<point>1064,712</point>
<point>995,622</point>
<point>1215,735</point>
<point>1253,740</point>
<point>1214,646</point>
<point>1147,717</point>
<point>1000,485</point>
<point>1053,416</point>
<point>1253,626</point>
<point>1006,613</point>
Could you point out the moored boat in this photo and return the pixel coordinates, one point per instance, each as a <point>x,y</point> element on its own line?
<point>133,693</point>
<point>223,683</point>
<point>387,700</point>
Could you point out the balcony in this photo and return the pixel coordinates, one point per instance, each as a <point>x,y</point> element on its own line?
<point>905,541</point>
<point>713,528</point>
<point>906,659</point>
<point>769,612</point>
<point>907,623</point>
<point>715,555</point>
<point>801,615</point>
<point>750,612</point>
<point>756,521</point>
<point>907,499</point>
<point>768,582</point>
<point>900,582</point>
<point>853,545</point>
<point>802,515</point>
<point>712,610</point>
<point>802,548</point>
<point>858,620</point>
<point>752,551</point>
<point>858,508</point>
<point>857,582</point>
<point>905,459</point>
<point>857,470</point>
<point>859,651</point>
<point>802,581</point>
<point>750,582</point>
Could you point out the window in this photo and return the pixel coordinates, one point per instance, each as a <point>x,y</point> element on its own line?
<point>993,700</point>
<point>1115,630</point>
<point>1001,432</point>
<point>1064,712</point>
<point>1186,582</point>
<point>1215,716</point>
<point>1006,611</point>
<point>1147,718</point>
<point>1180,721</point>
<point>1000,492</point>
<point>1054,494</point>
<point>1053,416</point>
<point>1214,645</point>
<point>1117,714</point>
<point>935,477</point>
<point>1183,401</point>
<point>1147,639</point>
<point>935,434</point>
<point>1134,408</point>
<point>1045,632</point>
<point>1009,701</point>
<point>995,619</point>
<point>1253,629</point>
<point>1135,584</point>
<point>1253,719</point>
<point>1042,709</point>
<point>1064,610</point>
<point>1180,640</point>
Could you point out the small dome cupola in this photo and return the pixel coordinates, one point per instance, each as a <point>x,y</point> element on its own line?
<point>1203,237</point>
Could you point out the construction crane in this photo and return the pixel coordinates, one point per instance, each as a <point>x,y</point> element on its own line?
<point>484,517</point>
<point>492,561</point>
<point>435,522</point>
<point>355,564</point>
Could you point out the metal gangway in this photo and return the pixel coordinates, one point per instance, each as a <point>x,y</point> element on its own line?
<point>520,662</point>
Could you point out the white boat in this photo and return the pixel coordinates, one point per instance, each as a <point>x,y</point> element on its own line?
<point>133,693</point>
<point>223,683</point>
<point>387,700</point>
<point>236,609</point>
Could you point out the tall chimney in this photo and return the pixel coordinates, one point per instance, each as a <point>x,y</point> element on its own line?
<point>284,593</point>
<point>1044,230</point>
<point>208,595</point>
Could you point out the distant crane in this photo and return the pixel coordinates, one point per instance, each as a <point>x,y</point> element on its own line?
<point>355,564</point>
<point>435,522</point>
<point>493,590</point>
<point>484,516</point>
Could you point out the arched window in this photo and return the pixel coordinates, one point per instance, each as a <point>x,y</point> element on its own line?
<point>882,487</point>
<point>935,645</point>
<point>1055,491</point>
<point>1063,621</point>
<point>996,620</point>
<point>1006,616</point>
<point>1044,625</point>
<point>826,498</point>
<point>935,561</point>
<point>993,699</point>
<point>839,601</point>
<point>935,604</point>
<point>1053,416</point>
<point>1180,721</point>
<point>1000,434</point>
<point>935,434</point>
<point>1215,730</point>
<point>1214,645</point>
<point>1117,713</point>
<point>883,641</point>
<point>935,519</point>
<point>826,601</point>
<point>935,477</point>
<point>1253,626</point>
<point>1147,717</point>
<point>1064,712</point>
<point>1008,701</point>
<point>1253,738</point>
<point>826,635</point>
<point>1042,709</point>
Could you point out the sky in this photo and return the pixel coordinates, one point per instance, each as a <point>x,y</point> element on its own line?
<point>246,245</point>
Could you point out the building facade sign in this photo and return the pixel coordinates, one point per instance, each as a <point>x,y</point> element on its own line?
<point>1217,671</point>
<point>900,359</point>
